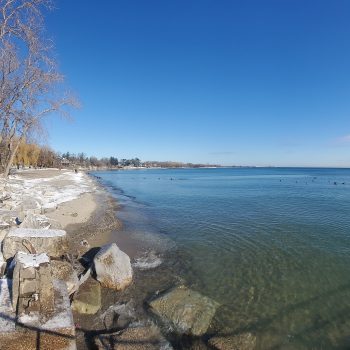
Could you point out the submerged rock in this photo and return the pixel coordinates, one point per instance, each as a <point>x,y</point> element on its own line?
<point>112,267</point>
<point>133,338</point>
<point>244,341</point>
<point>64,271</point>
<point>52,242</point>
<point>119,315</point>
<point>87,300</point>
<point>184,310</point>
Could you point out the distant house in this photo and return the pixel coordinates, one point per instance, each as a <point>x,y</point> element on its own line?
<point>65,162</point>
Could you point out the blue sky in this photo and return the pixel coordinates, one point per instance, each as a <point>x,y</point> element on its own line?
<point>231,82</point>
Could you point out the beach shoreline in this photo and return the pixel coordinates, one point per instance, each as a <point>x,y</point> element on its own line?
<point>88,211</point>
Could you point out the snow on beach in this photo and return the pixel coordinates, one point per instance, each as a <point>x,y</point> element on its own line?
<point>40,192</point>
<point>48,192</point>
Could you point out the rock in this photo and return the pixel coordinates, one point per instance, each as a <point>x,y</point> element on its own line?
<point>30,205</point>
<point>87,300</point>
<point>133,338</point>
<point>112,267</point>
<point>84,247</point>
<point>40,222</point>
<point>48,208</point>
<point>85,243</point>
<point>64,271</point>
<point>244,341</point>
<point>52,242</point>
<point>8,217</point>
<point>184,310</point>
<point>57,332</point>
<point>32,285</point>
<point>119,315</point>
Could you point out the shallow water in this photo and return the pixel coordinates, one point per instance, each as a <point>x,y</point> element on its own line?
<point>272,245</point>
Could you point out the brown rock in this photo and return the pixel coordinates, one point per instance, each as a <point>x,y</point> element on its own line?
<point>87,300</point>
<point>184,310</point>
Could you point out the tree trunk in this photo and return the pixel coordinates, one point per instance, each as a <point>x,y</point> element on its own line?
<point>11,159</point>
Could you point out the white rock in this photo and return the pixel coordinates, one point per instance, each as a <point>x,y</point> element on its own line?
<point>52,242</point>
<point>112,267</point>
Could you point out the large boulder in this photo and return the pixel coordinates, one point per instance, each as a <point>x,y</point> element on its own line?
<point>138,337</point>
<point>64,271</point>
<point>88,298</point>
<point>52,242</point>
<point>184,310</point>
<point>112,267</point>
<point>243,341</point>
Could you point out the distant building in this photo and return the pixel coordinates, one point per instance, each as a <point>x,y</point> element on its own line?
<point>65,162</point>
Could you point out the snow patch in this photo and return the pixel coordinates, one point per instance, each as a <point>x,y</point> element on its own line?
<point>29,319</point>
<point>7,323</point>
<point>35,233</point>
<point>32,260</point>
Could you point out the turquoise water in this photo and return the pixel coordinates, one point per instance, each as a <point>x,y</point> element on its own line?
<point>272,245</point>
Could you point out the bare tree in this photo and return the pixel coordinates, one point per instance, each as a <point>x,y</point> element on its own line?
<point>29,78</point>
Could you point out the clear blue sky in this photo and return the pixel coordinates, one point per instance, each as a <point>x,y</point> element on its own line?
<point>230,82</point>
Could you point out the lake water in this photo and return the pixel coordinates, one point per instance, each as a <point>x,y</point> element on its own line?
<point>271,245</point>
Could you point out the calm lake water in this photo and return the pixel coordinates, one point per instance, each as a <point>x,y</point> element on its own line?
<point>271,245</point>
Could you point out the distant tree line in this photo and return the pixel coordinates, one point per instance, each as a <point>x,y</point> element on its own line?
<point>82,160</point>
<point>32,155</point>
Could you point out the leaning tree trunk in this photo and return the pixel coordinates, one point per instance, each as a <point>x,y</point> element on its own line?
<point>10,159</point>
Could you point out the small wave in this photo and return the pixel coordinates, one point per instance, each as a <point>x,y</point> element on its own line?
<point>149,261</point>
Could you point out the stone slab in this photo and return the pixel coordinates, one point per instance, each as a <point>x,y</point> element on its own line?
<point>58,332</point>
<point>52,242</point>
